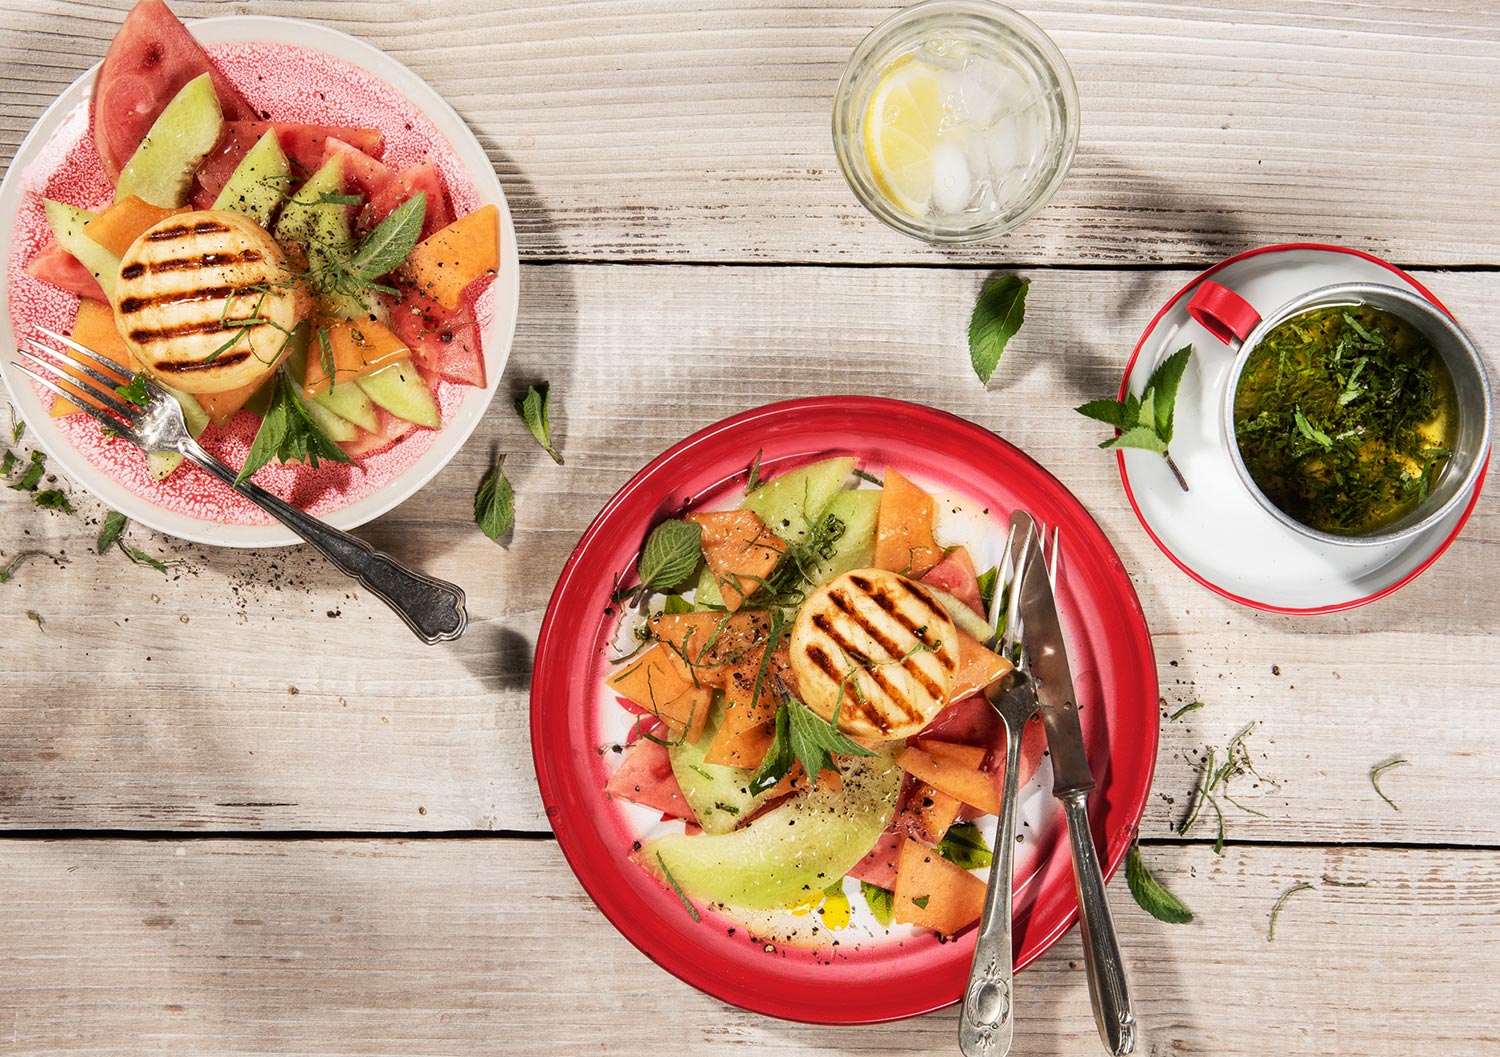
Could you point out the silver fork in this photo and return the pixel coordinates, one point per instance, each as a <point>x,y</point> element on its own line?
<point>986,1027</point>
<point>432,608</point>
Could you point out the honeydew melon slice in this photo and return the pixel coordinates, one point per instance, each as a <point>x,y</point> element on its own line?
<point>162,167</point>
<point>67,223</point>
<point>259,183</point>
<point>782,501</point>
<point>401,391</point>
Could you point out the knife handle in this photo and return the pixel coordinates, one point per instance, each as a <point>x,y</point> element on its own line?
<point>1108,989</point>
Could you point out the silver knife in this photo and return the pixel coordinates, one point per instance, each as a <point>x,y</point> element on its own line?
<point>1071,781</point>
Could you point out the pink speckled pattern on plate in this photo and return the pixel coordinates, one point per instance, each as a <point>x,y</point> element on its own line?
<point>289,84</point>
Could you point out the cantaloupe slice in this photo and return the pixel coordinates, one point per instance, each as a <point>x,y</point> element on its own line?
<point>444,264</point>
<point>749,719</point>
<point>740,551</point>
<point>661,684</point>
<point>94,328</point>
<point>903,530</point>
<point>124,222</point>
<point>933,893</point>
<point>356,349</point>
<point>970,757</point>
<point>221,407</point>
<point>972,786</point>
<point>934,810</point>
<point>977,668</point>
<point>711,642</point>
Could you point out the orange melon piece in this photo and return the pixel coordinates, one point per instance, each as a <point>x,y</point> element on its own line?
<point>661,684</point>
<point>357,348</point>
<point>221,407</point>
<point>967,756</point>
<point>968,784</point>
<point>713,643</point>
<point>749,725</point>
<point>739,550</point>
<point>933,893</point>
<point>446,262</point>
<point>903,528</point>
<point>978,667</point>
<point>94,328</point>
<point>936,811</point>
<point>124,222</point>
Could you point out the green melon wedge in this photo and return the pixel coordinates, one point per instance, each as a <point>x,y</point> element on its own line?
<point>855,549</point>
<point>67,223</point>
<point>401,391</point>
<point>719,796</point>
<point>791,851</point>
<point>259,183</point>
<point>162,167</point>
<point>322,228</point>
<point>336,426</point>
<point>783,501</point>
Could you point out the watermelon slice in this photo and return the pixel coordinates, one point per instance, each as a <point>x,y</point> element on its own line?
<point>363,174</point>
<point>304,146</point>
<point>442,342</point>
<point>151,58</point>
<point>956,575</point>
<point>645,777</point>
<point>57,266</point>
<point>391,429</point>
<point>404,185</point>
<point>879,867</point>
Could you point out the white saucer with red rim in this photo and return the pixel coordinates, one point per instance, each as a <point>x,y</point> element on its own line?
<point>1217,532</point>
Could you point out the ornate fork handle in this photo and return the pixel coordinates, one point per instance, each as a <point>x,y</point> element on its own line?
<point>985,1027</point>
<point>432,608</point>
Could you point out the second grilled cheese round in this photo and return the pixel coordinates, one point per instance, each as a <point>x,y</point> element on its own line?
<point>877,650</point>
<point>205,301</point>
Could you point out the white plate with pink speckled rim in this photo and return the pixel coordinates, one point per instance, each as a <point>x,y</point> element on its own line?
<point>330,78</point>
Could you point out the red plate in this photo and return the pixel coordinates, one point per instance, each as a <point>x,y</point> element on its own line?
<point>1114,672</point>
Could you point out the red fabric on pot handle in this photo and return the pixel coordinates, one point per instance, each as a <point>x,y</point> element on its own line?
<point>1222,312</point>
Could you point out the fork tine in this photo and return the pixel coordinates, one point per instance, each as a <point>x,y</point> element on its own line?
<point>1055,557</point>
<point>1013,629</point>
<point>90,391</point>
<point>1002,582</point>
<point>52,355</point>
<point>105,420</point>
<point>63,339</point>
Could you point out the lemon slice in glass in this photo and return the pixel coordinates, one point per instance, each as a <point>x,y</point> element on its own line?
<point>901,130</point>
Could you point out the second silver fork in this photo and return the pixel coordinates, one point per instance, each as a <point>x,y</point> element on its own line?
<point>986,1026</point>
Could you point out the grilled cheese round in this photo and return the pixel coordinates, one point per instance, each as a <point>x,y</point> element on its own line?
<point>205,301</point>
<point>876,650</point>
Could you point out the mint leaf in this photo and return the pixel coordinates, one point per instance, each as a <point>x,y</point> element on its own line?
<point>998,315</point>
<point>1311,432</point>
<point>670,555</point>
<point>1140,437</point>
<point>881,901</point>
<point>287,432</point>
<point>754,478</point>
<point>813,740</point>
<point>53,499</point>
<point>1164,383</point>
<point>112,529</point>
<point>987,581</point>
<point>140,557</point>
<point>384,250</point>
<point>778,759</point>
<point>1110,412</point>
<point>533,411</point>
<point>136,392</point>
<point>964,846</point>
<point>495,503</point>
<point>33,474</point>
<point>1149,893</point>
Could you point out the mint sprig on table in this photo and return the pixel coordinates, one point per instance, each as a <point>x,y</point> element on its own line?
<point>533,411</point>
<point>998,315</point>
<point>1145,421</point>
<point>1152,896</point>
<point>495,503</point>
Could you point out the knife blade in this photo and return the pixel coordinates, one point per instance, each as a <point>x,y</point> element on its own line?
<point>1047,653</point>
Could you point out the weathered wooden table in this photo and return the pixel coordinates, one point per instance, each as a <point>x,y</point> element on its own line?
<point>245,812</point>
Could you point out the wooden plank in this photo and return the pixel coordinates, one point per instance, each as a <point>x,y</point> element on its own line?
<point>434,947</point>
<point>165,702</point>
<point>628,131</point>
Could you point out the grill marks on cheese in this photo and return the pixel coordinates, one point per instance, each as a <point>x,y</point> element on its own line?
<point>878,649</point>
<point>192,282</point>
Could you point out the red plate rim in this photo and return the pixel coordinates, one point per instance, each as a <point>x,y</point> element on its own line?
<point>936,973</point>
<point>1266,607</point>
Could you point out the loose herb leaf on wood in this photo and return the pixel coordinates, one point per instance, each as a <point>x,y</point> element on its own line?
<point>998,315</point>
<point>1150,894</point>
<point>495,503</point>
<point>113,528</point>
<point>533,408</point>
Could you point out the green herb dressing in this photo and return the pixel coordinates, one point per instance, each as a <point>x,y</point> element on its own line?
<point>1345,417</point>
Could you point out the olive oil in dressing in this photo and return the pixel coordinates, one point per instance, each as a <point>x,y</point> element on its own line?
<point>1345,417</point>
